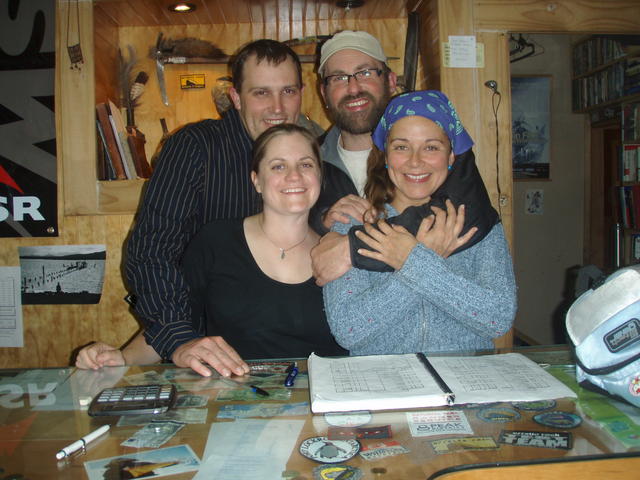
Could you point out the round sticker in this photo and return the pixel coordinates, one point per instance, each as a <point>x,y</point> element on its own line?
<point>323,450</point>
<point>329,472</point>
<point>350,419</point>
<point>634,386</point>
<point>558,419</point>
<point>537,405</point>
<point>498,415</point>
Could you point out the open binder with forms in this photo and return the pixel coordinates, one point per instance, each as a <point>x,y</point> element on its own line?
<point>389,382</point>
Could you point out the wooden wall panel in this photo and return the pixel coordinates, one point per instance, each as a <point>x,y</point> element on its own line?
<point>51,332</point>
<point>106,70</point>
<point>465,88</point>
<point>75,115</point>
<point>155,12</point>
<point>494,141</point>
<point>192,105</point>
<point>593,16</point>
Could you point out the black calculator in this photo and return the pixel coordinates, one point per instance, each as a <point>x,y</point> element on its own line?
<point>133,400</point>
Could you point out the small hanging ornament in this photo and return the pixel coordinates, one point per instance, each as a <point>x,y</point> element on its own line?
<point>75,52</point>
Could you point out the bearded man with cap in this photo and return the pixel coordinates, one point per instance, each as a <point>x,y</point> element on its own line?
<point>356,85</point>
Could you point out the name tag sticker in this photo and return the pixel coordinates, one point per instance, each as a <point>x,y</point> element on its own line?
<point>524,438</point>
<point>376,451</point>
<point>438,422</point>
<point>450,445</point>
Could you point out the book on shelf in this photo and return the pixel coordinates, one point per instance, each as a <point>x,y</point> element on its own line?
<point>625,215</point>
<point>632,76</point>
<point>635,247</point>
<point>631,122</point>
<point>120,133</point>
<point>595,52</point>
<point>109,139</point>
<point>103,159</point>
<point>604,70</point>
<point>630,163</point>
<point>629,205</point>
<point>390,382</point>
<point>635,206</point>
<point>601,87</point>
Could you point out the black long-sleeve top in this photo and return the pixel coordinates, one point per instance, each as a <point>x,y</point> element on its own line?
<point>258,316</point>
<point>202,174</point>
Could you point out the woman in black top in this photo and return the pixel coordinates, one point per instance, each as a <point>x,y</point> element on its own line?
<point>252,292</point>
<point>250,280</point>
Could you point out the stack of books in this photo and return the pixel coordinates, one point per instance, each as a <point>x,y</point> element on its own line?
<point>121,154</point>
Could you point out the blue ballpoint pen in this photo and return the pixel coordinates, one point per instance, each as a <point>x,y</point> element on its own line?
<point>291,377</point>
<point>259,391</point>
<point>253,388</point>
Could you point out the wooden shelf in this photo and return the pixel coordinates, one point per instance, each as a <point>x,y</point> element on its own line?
<point>599,68</point>
<point>611,103</point>
<point>224,60</point>
<point>119,196</point>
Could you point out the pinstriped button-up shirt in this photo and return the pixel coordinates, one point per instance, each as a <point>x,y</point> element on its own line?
<point>202,174</point>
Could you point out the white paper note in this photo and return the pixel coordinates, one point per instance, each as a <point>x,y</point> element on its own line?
<point>462,51</point>
<point>249,449</point>
<point>11,333</point>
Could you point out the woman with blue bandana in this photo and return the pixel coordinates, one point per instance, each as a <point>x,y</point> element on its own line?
<point>444,284</point>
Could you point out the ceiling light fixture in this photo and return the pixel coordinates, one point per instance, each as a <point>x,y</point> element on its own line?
<point>182,7</point>
<point>349,4</point>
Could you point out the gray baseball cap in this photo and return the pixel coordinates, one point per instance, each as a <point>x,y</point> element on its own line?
<point>351,40</point>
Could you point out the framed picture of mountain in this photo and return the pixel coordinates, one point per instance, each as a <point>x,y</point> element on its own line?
<point>531,126</point>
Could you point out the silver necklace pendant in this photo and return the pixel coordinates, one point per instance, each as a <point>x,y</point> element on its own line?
<point>282,250</point>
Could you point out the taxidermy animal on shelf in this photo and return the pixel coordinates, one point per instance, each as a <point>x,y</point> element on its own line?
<point>188,47</point>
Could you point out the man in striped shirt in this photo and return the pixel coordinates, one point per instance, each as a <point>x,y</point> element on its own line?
<point>202,174</point>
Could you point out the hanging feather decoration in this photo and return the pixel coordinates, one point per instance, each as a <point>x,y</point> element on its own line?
<point>137,88</point>
<point>131,87</point>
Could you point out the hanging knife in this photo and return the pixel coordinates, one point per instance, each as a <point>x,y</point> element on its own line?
<point>161,83</point>
<point>160,70</point>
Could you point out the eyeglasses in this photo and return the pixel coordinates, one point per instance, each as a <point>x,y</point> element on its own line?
<point>343,78</point>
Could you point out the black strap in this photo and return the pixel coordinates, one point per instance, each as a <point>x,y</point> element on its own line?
<point>609,369</point>
<point>464,185</point>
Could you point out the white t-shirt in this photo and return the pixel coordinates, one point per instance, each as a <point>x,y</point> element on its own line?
<point>356,163</point>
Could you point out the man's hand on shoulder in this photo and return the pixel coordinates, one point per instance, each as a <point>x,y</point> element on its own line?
<point>213,351</point>
<point>348,206</point>
<point>331,258</point>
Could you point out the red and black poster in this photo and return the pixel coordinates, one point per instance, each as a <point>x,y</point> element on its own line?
<point>28,187</point>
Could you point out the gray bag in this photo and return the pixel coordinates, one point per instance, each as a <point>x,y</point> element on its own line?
<point>604,326</point>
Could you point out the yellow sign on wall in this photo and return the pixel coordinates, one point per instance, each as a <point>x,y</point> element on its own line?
<point>195,80</point>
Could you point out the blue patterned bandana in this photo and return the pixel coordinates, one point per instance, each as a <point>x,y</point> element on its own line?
<point>431,104</point>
